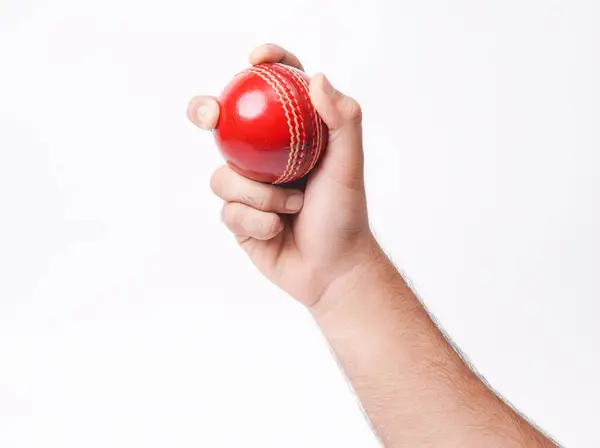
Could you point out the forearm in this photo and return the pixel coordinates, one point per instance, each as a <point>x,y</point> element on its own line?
<point>415,388</point>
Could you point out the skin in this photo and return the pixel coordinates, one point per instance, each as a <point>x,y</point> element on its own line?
<point>316,244</point>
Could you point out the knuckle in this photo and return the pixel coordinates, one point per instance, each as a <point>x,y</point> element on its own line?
<point>250,200</point>
<point>242,221</point>
<point>261,199</point>
<point>268,199</point>
<point>268,226</point>
<point>216,181</point>
<point>353,110</point>
<point>228,214</point>
<point>234,220</point>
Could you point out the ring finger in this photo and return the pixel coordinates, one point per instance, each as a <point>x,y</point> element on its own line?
<point>247,222</point>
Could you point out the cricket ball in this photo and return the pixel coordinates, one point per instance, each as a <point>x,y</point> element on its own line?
<point>268,129</point>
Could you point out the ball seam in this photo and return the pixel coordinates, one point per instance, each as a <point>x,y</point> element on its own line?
<point>297,156</point>
<point>279,91</point>
<point>317,142</point>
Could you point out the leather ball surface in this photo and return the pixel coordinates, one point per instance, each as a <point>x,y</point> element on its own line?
<point>268,129</point>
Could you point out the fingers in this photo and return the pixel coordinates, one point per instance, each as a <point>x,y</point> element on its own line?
<point>203,111</point>
<point>247,222</point>
<point>273,53</point>
<point>336,109</point>
<point>252,209</point>
<point>344,158</point>
<point>233,188</point>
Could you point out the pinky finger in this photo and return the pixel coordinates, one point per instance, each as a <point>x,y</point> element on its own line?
<point>246,222</point>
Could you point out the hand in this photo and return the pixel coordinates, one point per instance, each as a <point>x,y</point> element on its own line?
<point>302,241</point>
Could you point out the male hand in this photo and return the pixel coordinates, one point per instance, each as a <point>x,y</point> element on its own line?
<point>303,241</point>
<point>317,246</point>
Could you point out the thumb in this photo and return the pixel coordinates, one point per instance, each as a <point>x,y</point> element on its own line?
<point>343,159</point>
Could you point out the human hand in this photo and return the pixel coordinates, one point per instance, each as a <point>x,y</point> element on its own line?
<point>303,241</point>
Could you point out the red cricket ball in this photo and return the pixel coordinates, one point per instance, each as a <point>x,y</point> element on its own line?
<point>268,128</point>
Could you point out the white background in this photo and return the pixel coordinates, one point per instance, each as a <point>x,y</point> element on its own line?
<point>128,316</point>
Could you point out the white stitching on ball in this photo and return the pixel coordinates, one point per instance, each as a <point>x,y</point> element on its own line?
<point>278,90</point>
<point>295,132</point>
<point>317,141</point>
<point>298,155</point>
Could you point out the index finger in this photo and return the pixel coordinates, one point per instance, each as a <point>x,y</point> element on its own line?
<point>274,53</point>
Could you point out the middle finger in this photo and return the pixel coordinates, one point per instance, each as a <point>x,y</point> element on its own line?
<point>232,187</point>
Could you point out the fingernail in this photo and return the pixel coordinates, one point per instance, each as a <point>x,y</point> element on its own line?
<point>294,203</point>
<point>208,114</point>
<point>202,111</point>
<point>328,87</point>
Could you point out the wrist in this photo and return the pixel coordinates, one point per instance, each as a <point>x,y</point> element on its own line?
<point>370,268</point>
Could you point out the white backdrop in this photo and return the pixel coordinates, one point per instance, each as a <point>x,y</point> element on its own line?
<point>128,316</point>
